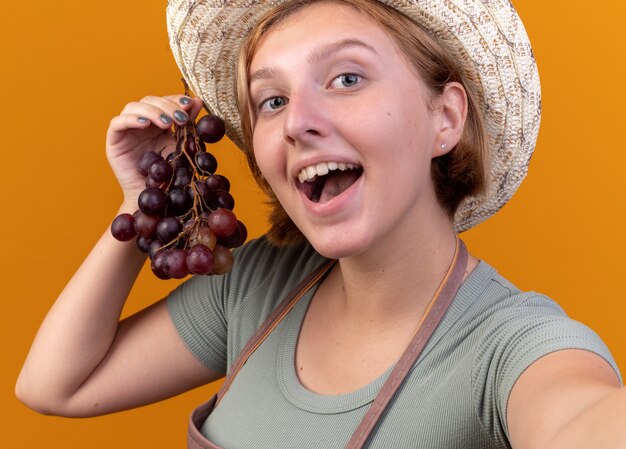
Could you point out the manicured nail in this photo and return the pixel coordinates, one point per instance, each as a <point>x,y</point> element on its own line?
<point>142,120</point>
<point>165,119</point>
<point>185,100</point>
<point>180,116</point>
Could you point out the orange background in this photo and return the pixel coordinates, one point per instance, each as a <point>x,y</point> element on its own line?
<point>69,66</point>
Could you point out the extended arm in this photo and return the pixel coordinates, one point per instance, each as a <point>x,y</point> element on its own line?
<point>568,399</point>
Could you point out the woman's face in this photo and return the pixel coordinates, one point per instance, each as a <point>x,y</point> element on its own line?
<point>342,131</point>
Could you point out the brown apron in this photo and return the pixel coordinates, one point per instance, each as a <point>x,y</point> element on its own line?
<point>437,308</point>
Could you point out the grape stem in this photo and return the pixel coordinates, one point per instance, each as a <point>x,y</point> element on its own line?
<point>184,133</point>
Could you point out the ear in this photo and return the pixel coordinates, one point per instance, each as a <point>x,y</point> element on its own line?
<point>452,107</point>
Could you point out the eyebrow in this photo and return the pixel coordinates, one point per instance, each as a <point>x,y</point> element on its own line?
<point>325,50</point>
<point>263,74</point>
<point>317,55</point>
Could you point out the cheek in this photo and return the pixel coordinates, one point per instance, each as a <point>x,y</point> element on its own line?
<point>267,154</point>
<point>411,128</point>
<point>397,119</point>
<point>393,131</point>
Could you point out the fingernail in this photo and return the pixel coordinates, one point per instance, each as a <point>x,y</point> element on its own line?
<point>180,116</point>
<point>142,119</point>
<point>185,100</point>
<point>165,119</point>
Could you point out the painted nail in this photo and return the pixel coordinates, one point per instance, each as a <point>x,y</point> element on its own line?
<point>165,119</point>
<point>185,100</point>
<point>180,116</point>
<point>142,120</point>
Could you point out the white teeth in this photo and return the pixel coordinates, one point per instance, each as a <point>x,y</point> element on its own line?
<point>321,169</point>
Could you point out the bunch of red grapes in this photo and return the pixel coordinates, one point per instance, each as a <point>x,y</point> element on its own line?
<point>185,221</point>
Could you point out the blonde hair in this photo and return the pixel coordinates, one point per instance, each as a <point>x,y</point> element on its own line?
<point>459,173</point>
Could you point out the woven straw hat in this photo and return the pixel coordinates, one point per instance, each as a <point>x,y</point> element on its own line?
<point>487,35</point>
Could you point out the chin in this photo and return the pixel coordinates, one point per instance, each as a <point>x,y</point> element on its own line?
<point>338,246</point>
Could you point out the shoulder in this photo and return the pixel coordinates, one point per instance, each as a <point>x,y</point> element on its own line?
<point>515,329</point>
<point>262,268</point>
<point>261,259</point>
<point>525,324</point>
<point>487,301</point>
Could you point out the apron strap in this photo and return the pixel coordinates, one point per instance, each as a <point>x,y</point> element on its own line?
<point>431,319</point>
<point>271,322</point>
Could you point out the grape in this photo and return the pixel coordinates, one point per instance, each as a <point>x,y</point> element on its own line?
<point>182,177</point>
<point>222,260</point>
<point>223,199</point>
<point>122,227</point>
<point>179,200</point>
<point>184,221</point>
<point>189,225</point>
<point>175,263</point>
<point>212,182</point>
<point>154,248</point>
<point>218,182</point>
<point>222,222</point>
<point>146,160</point>
<point>203,190</point>
<point>168,229</point>
<point>206,162</point>
<point>157,265</point>
<point>152,201</point>
<point>242,231</point>
<point>160,171</point>
<point>151,182</point>
<point>203,236</point>
<point>199,260</point>
<point>192,147</point>
<point>224,183</point>
<point>145,225</point>
<point>210,128</point>
<point>196,145</point>
<point>236,239</point>
<point>177,160</point>
<point>143,243</point>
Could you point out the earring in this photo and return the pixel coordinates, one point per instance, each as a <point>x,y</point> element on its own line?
<point>444,146</point>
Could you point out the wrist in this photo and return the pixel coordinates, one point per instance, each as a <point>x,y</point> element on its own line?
<point>127,207</point>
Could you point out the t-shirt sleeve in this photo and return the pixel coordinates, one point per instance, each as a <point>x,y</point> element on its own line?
<point>197,309</point>
<point>515,338</point>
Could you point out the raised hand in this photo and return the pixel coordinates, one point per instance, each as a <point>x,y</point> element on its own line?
<point>144,126</point>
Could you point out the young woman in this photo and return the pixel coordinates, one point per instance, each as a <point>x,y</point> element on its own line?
<point>379,132</point>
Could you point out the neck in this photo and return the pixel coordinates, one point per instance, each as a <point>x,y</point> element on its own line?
<point>396,281</point>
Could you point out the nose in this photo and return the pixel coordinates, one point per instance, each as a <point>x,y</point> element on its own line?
<point>305,121</point>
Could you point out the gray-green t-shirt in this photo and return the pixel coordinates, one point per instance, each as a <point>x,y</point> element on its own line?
<point>455,395</point>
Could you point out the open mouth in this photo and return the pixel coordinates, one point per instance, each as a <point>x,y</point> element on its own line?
<point>324,181</point>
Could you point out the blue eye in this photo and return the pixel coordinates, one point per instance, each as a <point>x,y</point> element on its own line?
<point>273,103</point>
<point>346,80</point>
